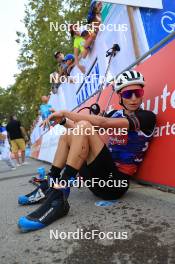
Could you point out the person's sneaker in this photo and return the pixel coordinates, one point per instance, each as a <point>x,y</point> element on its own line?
<point>25,163</point>
<point>13,168</point>
<point>55,207</point>
<point>36,196</point>
<point>18,165</point>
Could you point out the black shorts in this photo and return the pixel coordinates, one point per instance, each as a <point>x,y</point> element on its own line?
<point>103,170</point>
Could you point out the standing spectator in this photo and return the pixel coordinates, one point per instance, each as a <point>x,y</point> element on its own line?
<point>5,148</point>
<point>61,64</point>
<point>56,78</point>
<point>17,134</point>
<point>61,69</point>
<point>70,63</point>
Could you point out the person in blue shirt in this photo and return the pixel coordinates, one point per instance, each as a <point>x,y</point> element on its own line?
<point>45,108</point>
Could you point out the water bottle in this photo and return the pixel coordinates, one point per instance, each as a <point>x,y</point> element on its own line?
<point>27,152</point>
<point>41,173</point>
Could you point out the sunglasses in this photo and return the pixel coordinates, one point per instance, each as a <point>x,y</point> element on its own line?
<point>128,94</point>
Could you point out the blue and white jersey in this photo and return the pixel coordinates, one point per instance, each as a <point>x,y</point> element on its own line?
<point>128,150</point>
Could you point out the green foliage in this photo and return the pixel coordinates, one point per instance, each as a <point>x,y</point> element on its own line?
<point>36,60</point>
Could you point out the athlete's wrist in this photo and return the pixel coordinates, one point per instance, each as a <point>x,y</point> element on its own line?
<point>63,121</point>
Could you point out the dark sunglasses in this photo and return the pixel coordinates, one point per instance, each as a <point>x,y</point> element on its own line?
<point>128,94</point>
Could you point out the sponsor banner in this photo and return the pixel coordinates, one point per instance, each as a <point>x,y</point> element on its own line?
<point>105,11</point>
<point>49,143</point>
<point>35,148</point>
<point>139,3</point>
<point>159,23</point>
<point>158,166</point>
<point>90,86</point>
<point>37,131</point>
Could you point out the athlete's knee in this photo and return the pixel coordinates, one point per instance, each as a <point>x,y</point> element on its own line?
<point>64,138</point>
<point>85,128</point>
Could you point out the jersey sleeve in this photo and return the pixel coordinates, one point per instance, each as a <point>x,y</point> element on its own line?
<point>110,114</point>
<point>142,120</point>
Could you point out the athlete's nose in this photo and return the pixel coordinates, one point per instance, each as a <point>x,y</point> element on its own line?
<point>133,97</point>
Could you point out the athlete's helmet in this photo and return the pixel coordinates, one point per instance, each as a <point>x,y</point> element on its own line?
<point>128,78</point>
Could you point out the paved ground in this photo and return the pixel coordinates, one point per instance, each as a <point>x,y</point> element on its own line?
<point>147,215</point>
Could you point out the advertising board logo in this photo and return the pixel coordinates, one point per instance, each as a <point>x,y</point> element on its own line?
<point>168,21</point>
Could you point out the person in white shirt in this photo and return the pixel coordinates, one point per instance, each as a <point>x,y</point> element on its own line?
<point>5,148</point>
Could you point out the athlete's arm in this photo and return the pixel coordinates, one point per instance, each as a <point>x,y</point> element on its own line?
<point>143,120</point>
<point>57,118</point>
<point>94,120</point>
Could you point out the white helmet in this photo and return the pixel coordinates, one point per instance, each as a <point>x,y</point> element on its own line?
<point>128,78</point>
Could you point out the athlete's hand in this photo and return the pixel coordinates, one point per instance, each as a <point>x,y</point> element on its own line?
<point>56,116</point>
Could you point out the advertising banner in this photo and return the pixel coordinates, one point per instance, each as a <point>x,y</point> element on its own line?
<point>159,23</point>
<point>49,143</point>
<point>35,148</point>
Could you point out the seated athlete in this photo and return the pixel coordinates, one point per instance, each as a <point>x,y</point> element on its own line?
<point>87,154</point>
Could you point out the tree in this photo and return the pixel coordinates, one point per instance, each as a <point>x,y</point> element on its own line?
<point>36,60</point>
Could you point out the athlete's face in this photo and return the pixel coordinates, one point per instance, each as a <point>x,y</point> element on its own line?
<point>132,97</point>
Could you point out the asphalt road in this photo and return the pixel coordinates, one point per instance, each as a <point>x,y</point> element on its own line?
<point>146,214</point>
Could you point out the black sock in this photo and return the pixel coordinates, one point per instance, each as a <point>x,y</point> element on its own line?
<point>54,172</point>
<point>68,172</point>
<point>53,175</point>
